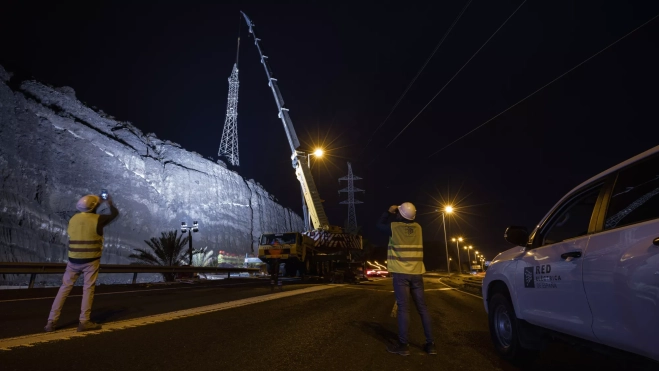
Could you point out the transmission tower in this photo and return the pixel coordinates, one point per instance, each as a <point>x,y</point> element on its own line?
<point>351,202</point>
<point>229,143</point>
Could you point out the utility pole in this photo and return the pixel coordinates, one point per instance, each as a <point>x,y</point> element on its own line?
<point>352,216</point>
<point>229,142</point>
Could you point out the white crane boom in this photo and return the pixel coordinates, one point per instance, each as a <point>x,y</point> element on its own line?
<point>299,158</point>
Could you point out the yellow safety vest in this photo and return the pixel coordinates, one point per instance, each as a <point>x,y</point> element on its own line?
<point>84,242</point>
<point>405,253</point>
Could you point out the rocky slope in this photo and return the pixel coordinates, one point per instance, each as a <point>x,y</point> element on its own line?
<point>54,149</point>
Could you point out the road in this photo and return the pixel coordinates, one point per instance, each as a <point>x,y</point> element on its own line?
<point>241,325</point>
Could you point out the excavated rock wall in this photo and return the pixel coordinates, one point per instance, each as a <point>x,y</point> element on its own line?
<point>54,149</point>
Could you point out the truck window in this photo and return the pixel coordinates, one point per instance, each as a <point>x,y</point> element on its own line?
<point>279,239</point>
<point>635,197</point>
<point>572,218</point>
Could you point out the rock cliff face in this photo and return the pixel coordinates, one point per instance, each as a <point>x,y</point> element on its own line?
<point>54,149</point>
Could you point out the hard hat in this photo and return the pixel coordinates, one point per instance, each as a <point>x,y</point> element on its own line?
<point>87,203</point>
<point>407,210</point>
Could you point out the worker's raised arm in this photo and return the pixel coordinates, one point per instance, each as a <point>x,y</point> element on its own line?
<point>384,223</point>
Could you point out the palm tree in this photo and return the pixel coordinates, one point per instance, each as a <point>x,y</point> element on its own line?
<point>200,258</point>
<point>167,250</point>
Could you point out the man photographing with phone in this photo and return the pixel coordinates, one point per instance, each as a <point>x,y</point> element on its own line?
<point>85,249</point>
<point>405,262</point>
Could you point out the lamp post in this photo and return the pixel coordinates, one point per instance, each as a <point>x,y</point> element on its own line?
<point>468,257</point>
<point>318,153</point>
<point>194,228</point>
<point>457,247</point>
<point>447,210</point>
<point>307,217</point>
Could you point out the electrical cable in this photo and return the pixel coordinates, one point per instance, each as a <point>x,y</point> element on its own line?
<point>457,73</point>
<point>417,75</point>
<point>544,86</point>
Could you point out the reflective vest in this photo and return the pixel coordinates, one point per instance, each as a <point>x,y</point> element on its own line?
<point>84,242</point>
<point>405,253</point>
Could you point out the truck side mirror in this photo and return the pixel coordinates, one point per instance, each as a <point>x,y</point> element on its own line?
<point>518,236</point>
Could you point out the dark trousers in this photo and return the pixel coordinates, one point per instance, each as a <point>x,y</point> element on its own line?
<point>406,285</point>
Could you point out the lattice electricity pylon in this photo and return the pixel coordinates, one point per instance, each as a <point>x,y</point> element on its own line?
<point>229,143</point>
<point>351,202</point>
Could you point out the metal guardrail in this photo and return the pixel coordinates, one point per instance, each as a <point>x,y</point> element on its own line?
<point>473,282</point>
<point>58,268</point>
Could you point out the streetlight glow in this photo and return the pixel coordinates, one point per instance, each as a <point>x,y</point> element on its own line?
<point>318,152</point>
<point>448,209</point>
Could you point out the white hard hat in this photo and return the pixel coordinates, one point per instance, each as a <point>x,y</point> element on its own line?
<point>87,203</point>
<point>407,210</point>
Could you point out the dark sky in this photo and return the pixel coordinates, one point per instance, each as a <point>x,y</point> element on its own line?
<point>341,68</point>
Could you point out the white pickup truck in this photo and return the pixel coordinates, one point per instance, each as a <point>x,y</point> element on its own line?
<point>589,271</point>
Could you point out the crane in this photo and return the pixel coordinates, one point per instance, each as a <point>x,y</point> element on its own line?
<point>327,239</point>
<point>312,202</point>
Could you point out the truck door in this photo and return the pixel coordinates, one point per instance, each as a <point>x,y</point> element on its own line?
<point>549,277</point>
<point>621,269</point>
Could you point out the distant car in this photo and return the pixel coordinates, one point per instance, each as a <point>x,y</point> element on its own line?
<point>589,269</point>
<point>377,273</point>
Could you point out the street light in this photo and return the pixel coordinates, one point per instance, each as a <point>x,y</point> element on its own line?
<point>447,210</point>
<point>194,228</point>
<point>318,153</point>
<point>468,257</point>
<point>307,216</point>
<point>457,247</point>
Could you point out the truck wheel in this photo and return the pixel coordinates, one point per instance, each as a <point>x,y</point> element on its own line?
<point>504,329</point>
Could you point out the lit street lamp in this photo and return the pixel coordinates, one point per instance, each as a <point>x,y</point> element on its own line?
<point>457,247</point>
<point>307,217</point>
<point>194,228</point>
<point>318,153</point>
<point>447,210</point>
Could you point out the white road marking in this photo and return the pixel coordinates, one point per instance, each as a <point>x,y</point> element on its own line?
<point>464,292</point>
<point>126,292</point>
<point>364,288</point>
<point>31,340</point>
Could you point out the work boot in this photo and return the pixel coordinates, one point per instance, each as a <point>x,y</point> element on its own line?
<point>50,326</point>
<point>402,349</point>
<point>430,348</point>
<point>88,326</point>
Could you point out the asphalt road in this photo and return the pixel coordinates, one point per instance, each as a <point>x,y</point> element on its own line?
<point>343,327</point>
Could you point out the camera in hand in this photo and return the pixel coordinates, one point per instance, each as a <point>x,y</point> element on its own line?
<point>104,194</point>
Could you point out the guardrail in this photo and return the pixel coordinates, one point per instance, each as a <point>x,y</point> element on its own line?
<point>58,268</point>
<point>473,282</point>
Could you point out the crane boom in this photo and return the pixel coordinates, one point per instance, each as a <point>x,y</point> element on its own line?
<point>299,159</point>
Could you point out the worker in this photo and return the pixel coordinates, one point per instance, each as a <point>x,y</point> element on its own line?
<point>405,262</point>
<point>85,232</point>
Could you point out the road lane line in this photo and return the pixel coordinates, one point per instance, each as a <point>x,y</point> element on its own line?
<point>363,288</point>
<point>464,292</point>
<point>31,340</point>
<point>145,290</point>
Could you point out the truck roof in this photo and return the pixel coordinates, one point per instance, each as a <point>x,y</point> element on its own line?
<point>604,173</point>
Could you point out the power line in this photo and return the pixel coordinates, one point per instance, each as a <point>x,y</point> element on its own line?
<point>544,86</point>
<point>417,75</point>
<point>457,73</point>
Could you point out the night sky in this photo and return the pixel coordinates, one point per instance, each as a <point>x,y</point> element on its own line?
<point>341,69</point>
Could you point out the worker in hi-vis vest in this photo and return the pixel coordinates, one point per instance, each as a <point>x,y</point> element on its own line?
<point>85,249</point>
<point>405,262</point>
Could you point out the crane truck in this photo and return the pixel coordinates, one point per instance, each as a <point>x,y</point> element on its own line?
<point>320,248</point>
